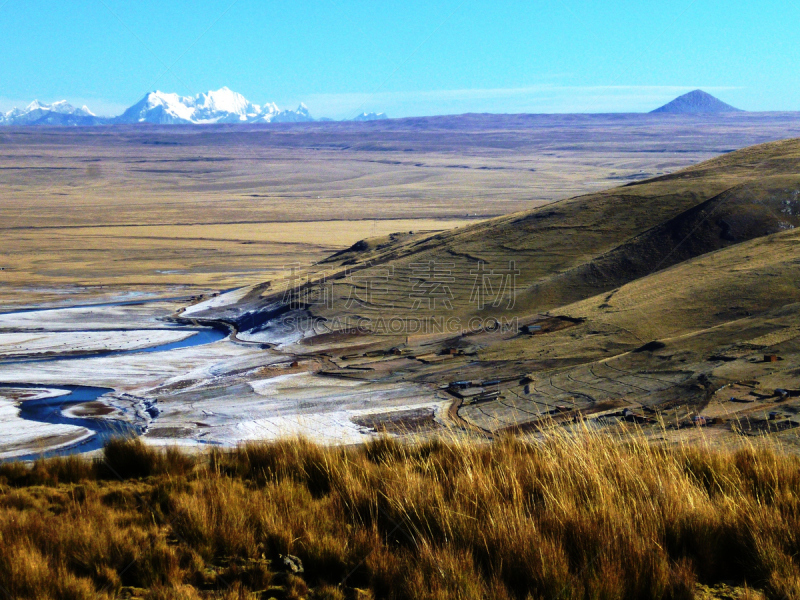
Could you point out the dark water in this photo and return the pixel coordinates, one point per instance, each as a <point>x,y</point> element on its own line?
<point>49,410</point>
<point>207,335</point>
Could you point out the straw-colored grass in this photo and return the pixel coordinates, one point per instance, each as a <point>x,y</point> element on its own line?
<point>579,516</point>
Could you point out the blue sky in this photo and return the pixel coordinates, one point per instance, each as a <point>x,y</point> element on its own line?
<point>405,58</point>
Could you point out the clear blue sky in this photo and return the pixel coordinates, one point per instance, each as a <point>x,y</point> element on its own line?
<point>405,58</point>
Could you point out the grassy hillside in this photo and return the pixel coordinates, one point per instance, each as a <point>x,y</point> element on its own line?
<point>571,516</point>
<point>655,297</point>
<point>749,280</point>
<point>576,248</point>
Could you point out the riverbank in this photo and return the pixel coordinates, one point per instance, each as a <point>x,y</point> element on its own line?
<point>176,379</point>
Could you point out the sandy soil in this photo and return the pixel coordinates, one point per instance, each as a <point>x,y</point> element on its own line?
<point>30,344</point>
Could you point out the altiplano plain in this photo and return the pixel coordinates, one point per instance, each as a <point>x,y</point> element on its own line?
<point>106,211</point>
<point>238,283</point>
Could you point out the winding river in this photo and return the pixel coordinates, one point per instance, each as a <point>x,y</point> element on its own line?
<point>51,410</point>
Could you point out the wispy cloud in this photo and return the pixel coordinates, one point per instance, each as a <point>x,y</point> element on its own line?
<point>543,98</point>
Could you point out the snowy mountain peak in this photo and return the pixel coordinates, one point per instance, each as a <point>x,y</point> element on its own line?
<point>230,105</point>
<point>370,117</point>
<point>216,106</point>
<point>58,113</point>
<point>35,105</point>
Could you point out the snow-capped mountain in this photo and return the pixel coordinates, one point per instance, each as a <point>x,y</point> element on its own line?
<point>58,113</point>
<point>370,117</point>
<point>301,115</point>
<point>220,106</point>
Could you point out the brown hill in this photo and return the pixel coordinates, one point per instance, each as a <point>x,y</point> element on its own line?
<point>654,297</point>
<point>573,249</point>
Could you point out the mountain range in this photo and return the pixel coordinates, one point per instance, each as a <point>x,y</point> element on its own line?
<point>370,117</point>
<point>58,113</point>
<point>227,106</point>
<point>220,106</point>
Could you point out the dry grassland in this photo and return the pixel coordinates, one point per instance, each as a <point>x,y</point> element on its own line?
<point>579,515</point>
<point>156,209</point>
<point>197,258</point>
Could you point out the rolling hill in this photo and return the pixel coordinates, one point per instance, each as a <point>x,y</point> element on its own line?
<point>569,250</point>
<point>652,296</point>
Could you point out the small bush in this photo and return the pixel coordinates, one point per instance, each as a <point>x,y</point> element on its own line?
<point>128,458</point>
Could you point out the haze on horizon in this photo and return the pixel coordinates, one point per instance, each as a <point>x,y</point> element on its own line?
<point>404,59</point>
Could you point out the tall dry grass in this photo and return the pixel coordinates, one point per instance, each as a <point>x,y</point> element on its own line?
<point>568,516</point>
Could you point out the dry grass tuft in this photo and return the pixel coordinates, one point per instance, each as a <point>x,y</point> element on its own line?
<point>578,516</point>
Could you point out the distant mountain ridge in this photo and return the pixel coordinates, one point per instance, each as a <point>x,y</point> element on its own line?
<point>58,113</point>
<point>161,108</point>
<point>220,106</point>
<point>226,106</point>
<point>370,117</point>
<point>695,102</point>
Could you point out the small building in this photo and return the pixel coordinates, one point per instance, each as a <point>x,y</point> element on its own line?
<point>460,385</point>
<point>771,358</point>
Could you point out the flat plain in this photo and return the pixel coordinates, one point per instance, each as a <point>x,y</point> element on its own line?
<point>95,213</point>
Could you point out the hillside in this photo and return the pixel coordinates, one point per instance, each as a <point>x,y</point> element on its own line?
<point>569,250</point>
<point>654,295</point>
<point>254,198</point>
